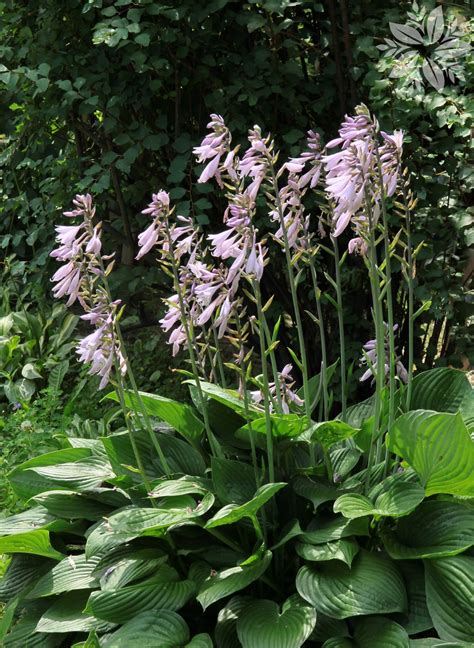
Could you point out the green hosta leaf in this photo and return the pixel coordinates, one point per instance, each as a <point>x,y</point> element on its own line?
<point>263,625</point>
<point>184,486</point>
<point>229,581</point>
<point>66,615</point>
<point>79,475</point>
<point>233,513</point>
<point>7,617</point>
<point>416,618</point>
<point>200,641</point>
<point>234,481</point>
<point>396,496</point>
<point>327,628</point>
<point>120,555</point>
<point>338,642</point>
<point>72,573</point>
<point>344,550</point>
<point>316,491</point>
<point>21,574</point>
<point>284,426</point>
<point>173,510</point>
<point>343,459</point>
<point>226,628</point>
<point>180,416</point>
<point>162,628</point>
<point>429,642</point>
<point>29,520</point>
<point>163,591</point>
<point>372,585</point>
<point>360,412</point>
<point>24,634</point>
<point>92,641</point>
<point>228,397</point>
<point>33,542</point>
<point>328,530</point>
<point>374,632</point>
<point>72,505</point>
<point>127,570</point>
<point>443,390</point>
<point>449,594</point>
<point>331,432</point>
<point>439,448</point>
<point>289,531</point>
<point>435,529</point>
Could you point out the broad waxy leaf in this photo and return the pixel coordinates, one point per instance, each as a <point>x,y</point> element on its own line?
<point>66,615</point>
<point>233,513</point>
<point>329,433</point>
<point>200,641</point>
<point>162,628</point>
<point>33,542</point>
<point>435,529</point>
<point>396,496</point>
<point>343,550</point>
<point>439,448</point>
<point>234,481</point>
<point>163,591</point>
<point>127,570</point>
<point>181,417</point>
<point>24,633</point>
<point>284,426</point>
<point>72,505</point>
<point>375,632</point>
<point>263,625</point>
<point>31,520</point>
<point>416,618</point>
<point>372,585</point>
<point>449,595</point>
<point>184,486</point>
<point>327,530</point>
<point>228,397</point>
<point>226,628</point>
<point>72,573</point>
<point>443,390</point>
<point>315,490</point>
<point>234,579</point>
<point>21,574</point>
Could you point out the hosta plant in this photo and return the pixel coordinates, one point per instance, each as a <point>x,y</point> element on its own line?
<point>258,516</point>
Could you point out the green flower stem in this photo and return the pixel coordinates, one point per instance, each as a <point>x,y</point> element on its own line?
<point>265,390</point>
<point>220,364</point>
<point>380,339</point>
<point>273,361</point>
<point>296,308</point>
<point>340,318</point>
<point>322,336</point>
<point>214,446</point>
<point>410,295</point>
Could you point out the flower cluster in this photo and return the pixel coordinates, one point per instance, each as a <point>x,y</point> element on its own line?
<point>285,388</point>
<point>370,358</point>
<point>213,147</point>
<point>81,278</point>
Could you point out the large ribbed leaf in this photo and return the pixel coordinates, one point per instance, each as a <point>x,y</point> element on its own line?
<point>101,538</point>
<point>66,615</point>
<point>34,542</point>
<point>322,531</point>
<point>373,585</point>
<point>226,628</point>
<point>200,641</point>
<point>435,529</point>
<point>329,433</point>
<point>25,635</point>
<point>183,486</point>
<point>72,573</point>
<point>233,513</point>
<point>229,581</point>
<point>430,642</point>
<point>396,496</point>
<point>163,591</point>
<point>262,624</point>
<point>439,448</point>
<point>173,510</point>
<point>228,397</point>
<point>316,491</point>
<point>339,642</point>
<point>234,481</point>
<point>127,570</point>
<point>443,390</point>
<point>183,418</point>
<point>450,594</point>
<point>375,632</point>
<point>344,550</point>
<point>416,618</point>
<point>31,520</point>
<point>71,505</point>
<point>21,574</point>
<point>162,628</point>
<point>283,426</point>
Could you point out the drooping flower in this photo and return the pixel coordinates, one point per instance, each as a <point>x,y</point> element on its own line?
<point>213,147</point>
<point>255,162</point>
<point>311,157</point>
<point>371,359</point>
<point>285,387</point>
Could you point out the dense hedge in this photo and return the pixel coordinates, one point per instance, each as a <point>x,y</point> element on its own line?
<point>110,96</point>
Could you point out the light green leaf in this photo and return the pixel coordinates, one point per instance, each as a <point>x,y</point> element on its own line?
<point>329,433</point>
<point>396,496</point>
<point>234,579</point>
<point>283,426</point>
<point>228,397</point>
<point>449,595</point>
<point>233,513</point>
<point>372,585</point>
<point>22,572</point>
<point>436,529</point>
<point>29,371</point>
<point>443,390</point>
<point>375,632</point>
<point>66,615</point>
<point>263,625</point>
<point>226,628</point>
<point>439,448</point>
<point>334,529</point>
<point>72,573</point>
<point>183,486</point>
<point>344,550</point>
<point>71,505</point>
<point>7,618</point>
<point>200,641</point>
<point>127,570</point>
<point>33,542</point>
<point>162,591</point>
<point>180,416</point>
<point>162,628</point>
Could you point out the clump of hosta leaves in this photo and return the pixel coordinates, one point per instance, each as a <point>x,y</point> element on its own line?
<point>214,555</point>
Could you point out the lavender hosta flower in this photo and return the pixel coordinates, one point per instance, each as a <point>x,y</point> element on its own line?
<point>101,350</point>
<point>370,358</point>
<point>213,147</point>
<point>294,222</point>
<point>390,155</point>
<point>313,157</point>
<point>288,396</point>
<point>255,161</point>
<point>359,127</point>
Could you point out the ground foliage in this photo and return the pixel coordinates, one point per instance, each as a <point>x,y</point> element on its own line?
<point>108,97</point>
